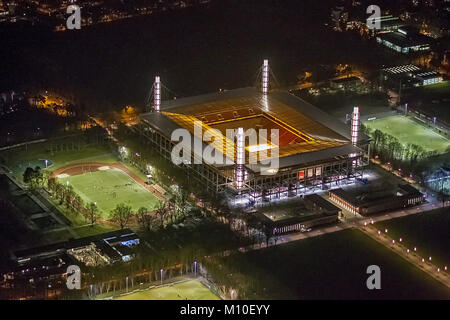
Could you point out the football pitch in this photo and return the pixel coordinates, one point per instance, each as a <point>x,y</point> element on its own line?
<point>108,188</point>
<point>409,131</point>
<point>187,290</point>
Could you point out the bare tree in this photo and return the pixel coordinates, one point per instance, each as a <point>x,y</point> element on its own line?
<point>92,213</point>
<point>121,214</point>
<point>145,218</point>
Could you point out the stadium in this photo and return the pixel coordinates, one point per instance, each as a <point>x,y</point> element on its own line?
<point>314,151</point>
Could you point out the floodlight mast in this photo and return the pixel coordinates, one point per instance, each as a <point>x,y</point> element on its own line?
<point>240,158</point>
<point>355,129</point>
<point>355,125</point>
<point>157,93</point>
<point>265,77</point>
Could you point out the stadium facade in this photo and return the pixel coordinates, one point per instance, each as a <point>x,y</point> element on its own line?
<point>314,151</point>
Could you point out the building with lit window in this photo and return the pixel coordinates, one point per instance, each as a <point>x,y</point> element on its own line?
<point>404,196</point>
<point>410,76</point>
<point>405,40</point>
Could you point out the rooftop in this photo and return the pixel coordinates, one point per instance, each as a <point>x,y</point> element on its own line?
<point>305,132</point>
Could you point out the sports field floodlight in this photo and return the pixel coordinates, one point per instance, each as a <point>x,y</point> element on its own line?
<point>240,158</point>
<point>157,93</point>
<point>355,125</point>
<point>265,77</point>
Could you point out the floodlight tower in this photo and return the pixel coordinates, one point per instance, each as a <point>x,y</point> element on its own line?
<point>240,158</point>
<point>265,77</point>
<point>157,93</point>
<point>355,130</point>
<point>355,125</point>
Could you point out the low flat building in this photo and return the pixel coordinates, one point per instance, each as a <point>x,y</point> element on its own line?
<point>405,40</point>
<point>321,212</point>
<point>405,196</point>
<point>410,76</point>
<point>317,204</point>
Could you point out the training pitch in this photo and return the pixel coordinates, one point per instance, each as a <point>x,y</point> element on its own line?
<point>409,131</point>
<point>188,290</point>
<point>109,186</point>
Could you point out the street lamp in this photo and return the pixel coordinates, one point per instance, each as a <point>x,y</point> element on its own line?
<point>161,276</point>
<point>195,269</point>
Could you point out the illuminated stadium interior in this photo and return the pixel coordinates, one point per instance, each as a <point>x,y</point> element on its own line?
<point>315,150</point>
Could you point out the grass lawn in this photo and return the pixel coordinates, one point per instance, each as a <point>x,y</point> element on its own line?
<point>408,131</point>
<point>110,187</point>
<point>190,290</point>
<point>428,231</point>
<point>332,266</point>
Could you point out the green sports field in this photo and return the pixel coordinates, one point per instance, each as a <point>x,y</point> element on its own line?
<point>190,290</point>
<point>409,131</point>
<point>110,187</point>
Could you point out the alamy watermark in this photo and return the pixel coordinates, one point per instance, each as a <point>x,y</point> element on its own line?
<point>373,22</point>
<point>73,277</point>
<point>258,149</point>
<point>74,20</point>
<point>374,281</point>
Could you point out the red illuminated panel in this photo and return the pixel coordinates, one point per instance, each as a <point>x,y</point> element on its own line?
<point>301,175</point>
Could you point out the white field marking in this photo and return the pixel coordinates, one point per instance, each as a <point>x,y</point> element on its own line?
<point>62,176</point>
<point>104,168</point>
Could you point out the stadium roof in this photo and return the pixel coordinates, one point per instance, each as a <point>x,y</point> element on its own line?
<point>317,135</point>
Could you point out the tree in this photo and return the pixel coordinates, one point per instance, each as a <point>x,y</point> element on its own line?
<point>92,213</point>
<point>28,175</point>
<point>121,214</point>
<point>145,218</point>
<point>33,177</point>
<point>162,212</point>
